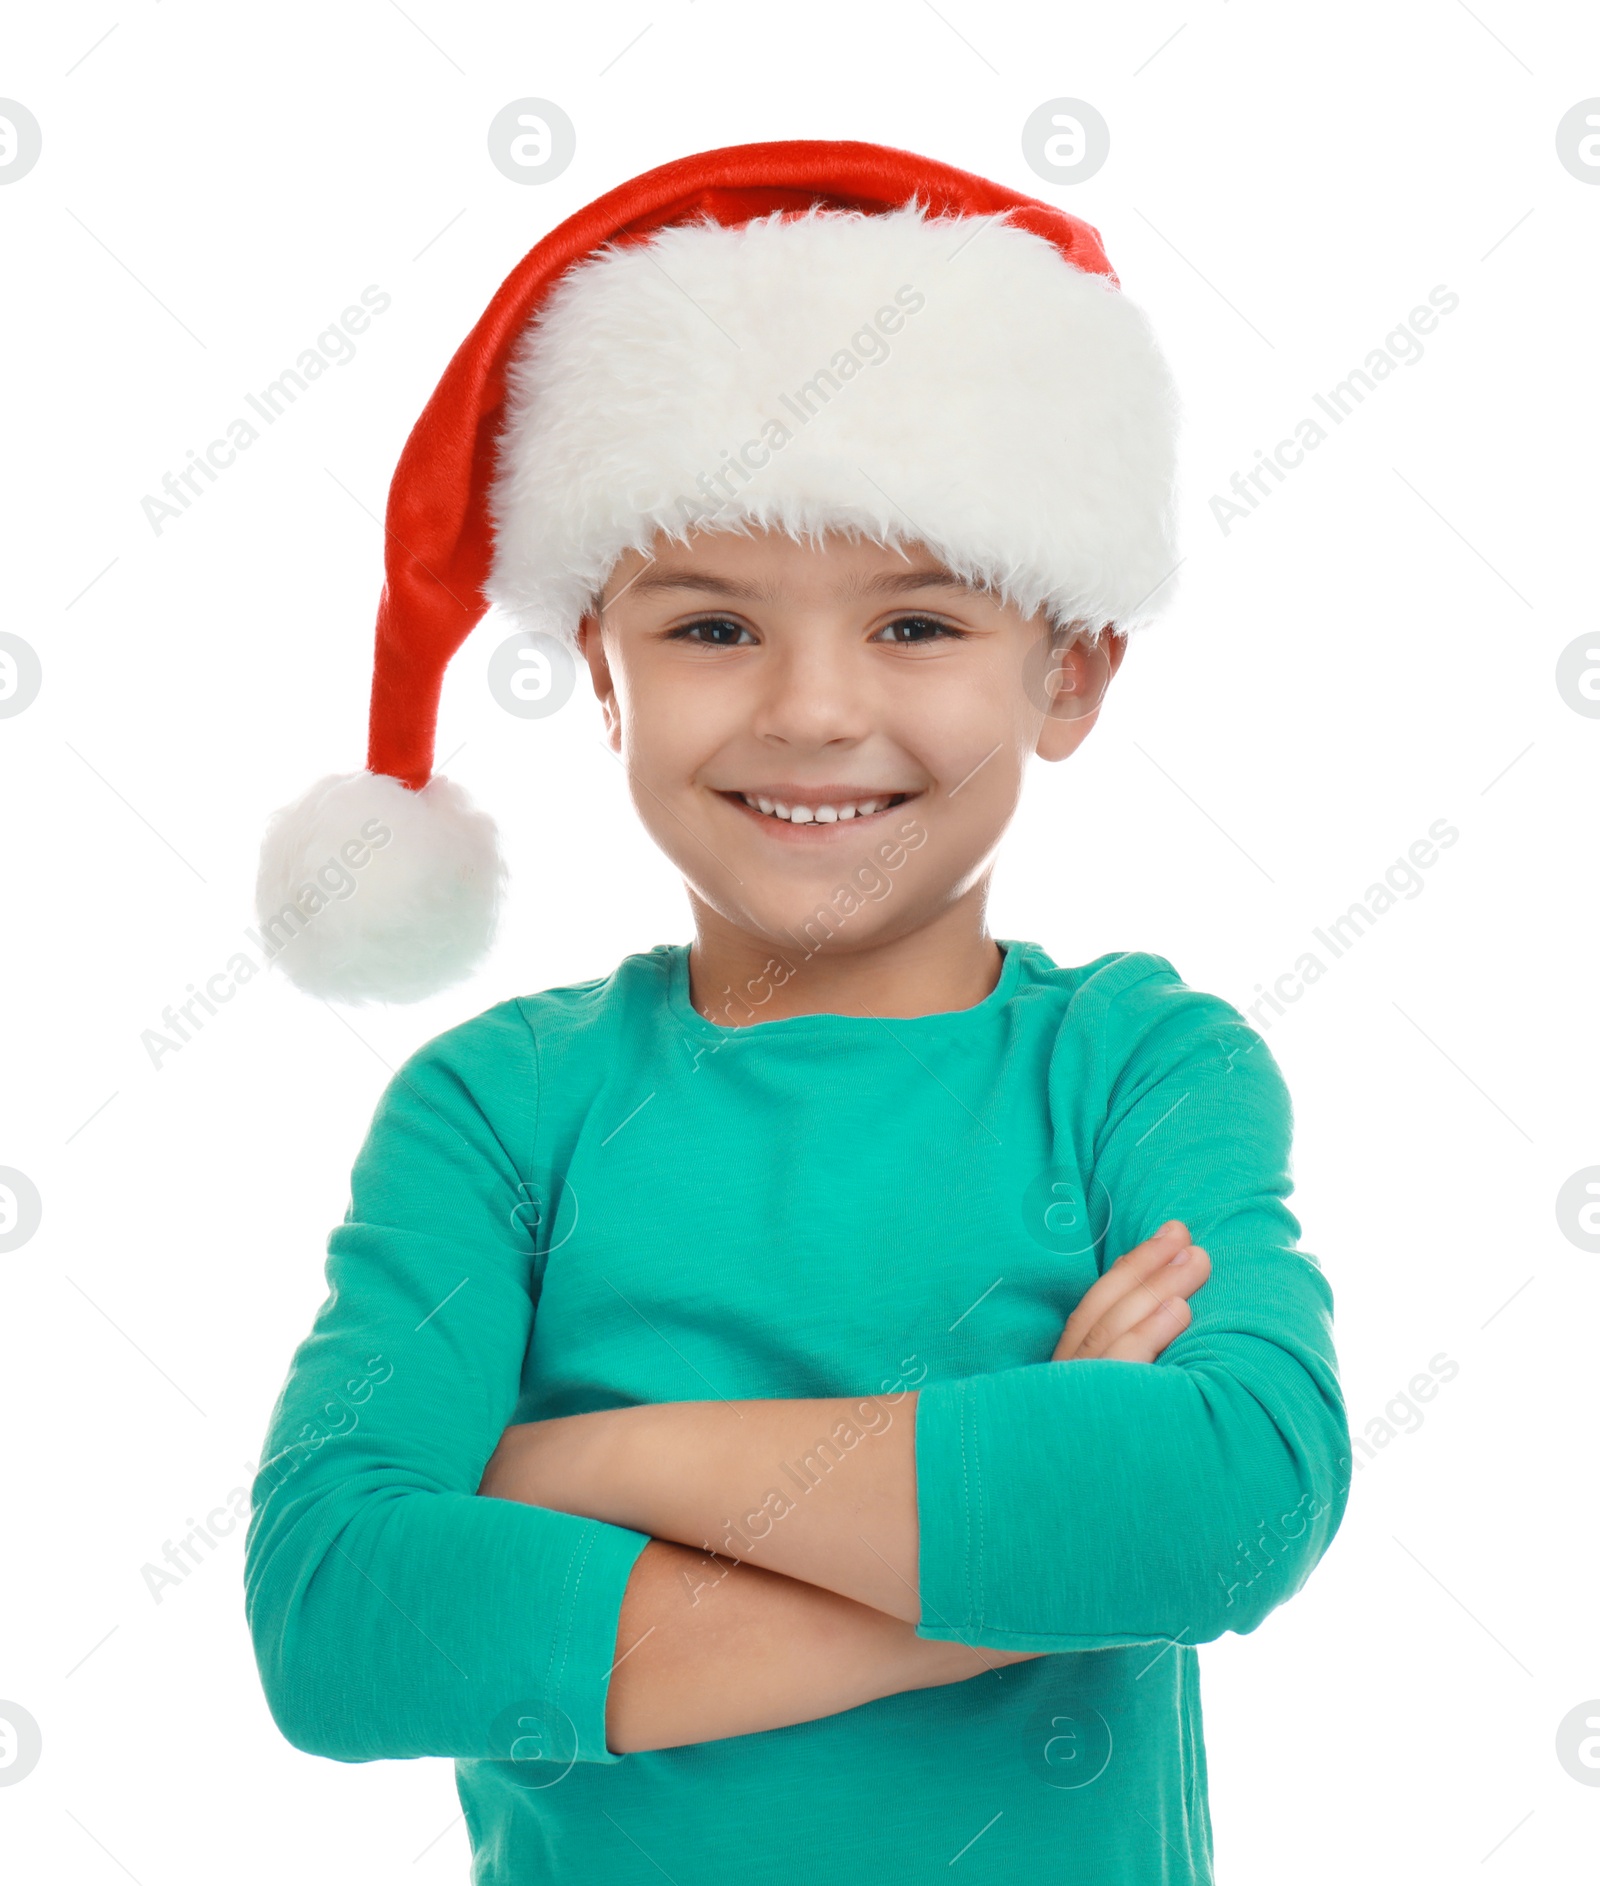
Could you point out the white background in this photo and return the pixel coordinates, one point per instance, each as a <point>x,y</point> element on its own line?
<point>1372,650</point>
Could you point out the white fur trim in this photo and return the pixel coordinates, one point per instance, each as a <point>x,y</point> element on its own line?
<point>1021,421</point>
<point>415,915</point>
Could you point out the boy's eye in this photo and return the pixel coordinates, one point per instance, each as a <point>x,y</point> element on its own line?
<point>907,631</point>
<point>710,632</point>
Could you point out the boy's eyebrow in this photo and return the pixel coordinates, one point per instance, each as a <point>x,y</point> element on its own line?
<point>887,583</point>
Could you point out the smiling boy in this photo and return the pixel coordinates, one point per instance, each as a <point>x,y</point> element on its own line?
<point>795,714</point>
<point>834,1371</point>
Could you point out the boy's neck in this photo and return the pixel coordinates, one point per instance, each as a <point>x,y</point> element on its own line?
<point>951,963</point>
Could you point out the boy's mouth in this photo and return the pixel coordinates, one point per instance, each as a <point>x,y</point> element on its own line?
<point>817,806</point>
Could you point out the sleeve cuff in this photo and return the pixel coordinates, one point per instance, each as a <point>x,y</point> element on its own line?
<point>583,1651</point>
<point>949,1495</point>
<point>981,1555</point>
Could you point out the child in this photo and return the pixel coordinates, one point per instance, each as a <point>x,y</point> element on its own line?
<point>720,1435</point>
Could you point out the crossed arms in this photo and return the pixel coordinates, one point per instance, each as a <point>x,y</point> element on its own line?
<point>1061,1505</point>
<point>767,1598</point>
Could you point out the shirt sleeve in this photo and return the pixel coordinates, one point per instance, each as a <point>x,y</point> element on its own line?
<point>394,1612</point>
<point>1084,1504</point>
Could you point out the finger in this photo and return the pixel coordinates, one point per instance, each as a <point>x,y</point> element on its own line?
<point>1145,1341</point>
<point>1174,1234</point>
<point>1179,1278</point>
<point>1129,1270</point>
<point>1176,1281</point>
<point>1144,1289</point>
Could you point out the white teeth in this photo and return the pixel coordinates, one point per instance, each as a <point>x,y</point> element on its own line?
<point>809,815</point>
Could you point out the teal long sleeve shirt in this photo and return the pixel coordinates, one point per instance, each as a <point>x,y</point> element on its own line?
<point>594,1197</point>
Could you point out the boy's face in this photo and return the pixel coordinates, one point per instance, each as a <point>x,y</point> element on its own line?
<point>886,707</point>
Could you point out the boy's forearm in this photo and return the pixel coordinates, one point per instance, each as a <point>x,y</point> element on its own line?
<point>823,1491</point>
<point>820,1490</point>
<point>709,1648</point>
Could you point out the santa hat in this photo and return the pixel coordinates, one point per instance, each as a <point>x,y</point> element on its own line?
<point>799,336</point>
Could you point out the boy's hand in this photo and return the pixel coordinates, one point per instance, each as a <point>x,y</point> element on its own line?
<point>1140,1304</point>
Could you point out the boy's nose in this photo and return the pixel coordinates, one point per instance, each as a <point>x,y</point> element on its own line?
<point>813,697</point>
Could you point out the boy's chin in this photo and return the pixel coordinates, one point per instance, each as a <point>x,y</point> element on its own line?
<point>798,927</point>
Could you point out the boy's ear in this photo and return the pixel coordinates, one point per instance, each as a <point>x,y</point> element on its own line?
<point>592,649</point>
<point>1076,671</point>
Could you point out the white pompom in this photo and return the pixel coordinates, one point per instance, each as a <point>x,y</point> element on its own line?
<point>369,892</point>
